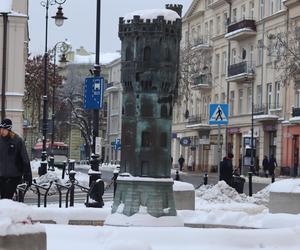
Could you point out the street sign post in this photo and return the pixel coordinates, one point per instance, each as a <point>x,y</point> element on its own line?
<point>93,92</point>
<point>218,115</point>
<point>117,145</point>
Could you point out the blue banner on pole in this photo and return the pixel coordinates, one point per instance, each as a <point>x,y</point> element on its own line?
<point>93,92</point>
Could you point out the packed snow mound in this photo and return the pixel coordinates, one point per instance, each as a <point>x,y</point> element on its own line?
<point>128,245</point>
<point>286,186</point>
<point>222,193</point>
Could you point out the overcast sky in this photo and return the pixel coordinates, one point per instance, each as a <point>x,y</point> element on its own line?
<point>80,26</point>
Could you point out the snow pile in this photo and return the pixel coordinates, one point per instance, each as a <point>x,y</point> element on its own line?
<point>286,186</point>
<point>15,219</point>
<point>182,186</point>
<point>169,15</point>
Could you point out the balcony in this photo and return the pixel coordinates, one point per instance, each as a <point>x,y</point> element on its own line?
<point>295,116</point>
<point>199,122</point>
<point>202,82</point>
<point>241,30</point>
<point>202,42</point>
<point>242,72</point>
<point>212,4</point>
<point>267,112</point>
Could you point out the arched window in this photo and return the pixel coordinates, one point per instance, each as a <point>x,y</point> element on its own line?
<point>128,56</point>
<point>146,139</point>
<point>147,54</point>
<point>163,111</point>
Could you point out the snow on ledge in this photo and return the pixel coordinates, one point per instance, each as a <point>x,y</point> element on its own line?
<point>286,186</point>
<point>169,15</point>
<point>129,177</point>
<point>182,186</point>
<point>5,6</point>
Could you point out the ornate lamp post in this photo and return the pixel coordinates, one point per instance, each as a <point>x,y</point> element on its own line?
<point>59,20</point>
<point>63,48</point>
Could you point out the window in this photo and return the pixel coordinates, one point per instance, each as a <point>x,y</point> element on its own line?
<point>225,16</point>
<point>147,54</point>
<point>271,7</point>
<point>216,98</point>
<point>243,11</point>
<point>240,108</point>
<point>115,101</point>
<point>269,95</point>
<point>260,52</point>
<point>249,97</point>
<point>206,32</point>
<point>146,139</point>
<point>234,15</point>
<point>233,54</point>
<point>259,95</point>
<point>231,103</point>
<point>163,111</point>
<point>277,95</point>
<point>251,57</point>
<point>261,10</point>
<point>270,50</point>
<point>186,39</point>
<point>199,33</point>
<point>278,5</point>
<point>211,28</point>
<point>218,24</point>
<point>217,63</point>
<point>223,98</point>
<point>194,36</point>
<point>128,56</point>
<point>243,55</point>
<point>251,10</point>
<point>224,62</point>
<point>163,140</point>
<point>297,97</point>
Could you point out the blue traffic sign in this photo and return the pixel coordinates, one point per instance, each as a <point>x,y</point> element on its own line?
<point>218,114</point>
<point>93,92</point>
<point>185,141</point>
<point>117,145</point>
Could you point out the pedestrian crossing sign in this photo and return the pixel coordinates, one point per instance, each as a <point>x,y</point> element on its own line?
<point>218,114</point>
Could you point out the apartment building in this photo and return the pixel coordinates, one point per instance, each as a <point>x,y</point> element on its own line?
<point>232,51</point>
<point>113,95</point>
<point>13,56</point>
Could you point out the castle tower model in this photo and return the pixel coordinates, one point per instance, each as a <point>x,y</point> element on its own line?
<point>150,57</point>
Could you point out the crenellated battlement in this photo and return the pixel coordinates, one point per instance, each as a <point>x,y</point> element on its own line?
<point>175,7</point>
<point>157,25</point>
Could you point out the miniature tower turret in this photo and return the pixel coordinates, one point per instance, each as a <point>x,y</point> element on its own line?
<point>150,55</point>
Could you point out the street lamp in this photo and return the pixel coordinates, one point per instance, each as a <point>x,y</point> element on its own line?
<point>59,19</point>
<point>63,48</point>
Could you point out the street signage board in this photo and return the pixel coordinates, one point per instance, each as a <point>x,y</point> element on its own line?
<point>204,141</point>
<point>218,114</point>
<point>214,139</point>
<point>185,141</point>
<point>117,145</point>
<point>93,92</point>
<point>98,146</point>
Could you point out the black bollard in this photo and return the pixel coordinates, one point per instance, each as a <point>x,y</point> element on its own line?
<point>273,178</point>
<point>72,180</point>
<point>205,178</point>
<point>94,172</point>
<point>63,170</point>
<point>43,167</point>
<point>51,163</point>
<point>71,166</point>
<point>177,177</point>
<point>250,183</point>
<point>116,173</point>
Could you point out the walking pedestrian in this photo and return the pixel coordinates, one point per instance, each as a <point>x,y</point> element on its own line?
<point>226,169</point>
<point>272,165</point>
<point>265,164</point>
<point>181,162</point>
<point>14,161</point>
<point>191,163</point>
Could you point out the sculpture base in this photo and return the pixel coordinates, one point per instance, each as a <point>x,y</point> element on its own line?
<point>144,194</point>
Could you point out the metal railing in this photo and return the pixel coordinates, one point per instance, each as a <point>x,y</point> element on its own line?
<point>198,119</point>
<point>242,24</point>
<point>240,68</point>
<point>267,109</point>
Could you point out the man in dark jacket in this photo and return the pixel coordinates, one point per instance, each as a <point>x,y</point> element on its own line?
<point>14,161</point>
<point>181,162</point>
<point>226,169</point>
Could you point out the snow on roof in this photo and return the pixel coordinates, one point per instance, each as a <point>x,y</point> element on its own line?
<point>169,15</point>
<point>5,6</point>
<point>105,58</point>
<point>286,186</point>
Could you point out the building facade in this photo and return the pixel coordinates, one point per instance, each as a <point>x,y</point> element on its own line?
<point>13,56</point>
<point>231,49</point>
<point>113,95</point>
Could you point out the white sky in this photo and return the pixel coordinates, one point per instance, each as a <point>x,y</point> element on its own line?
<point>80,28</point>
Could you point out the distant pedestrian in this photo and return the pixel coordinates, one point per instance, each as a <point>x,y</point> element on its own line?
<point>226,169</point>
<point>14,161</point>
<point>181,162</point>
<point>272,165</point>
<point>265,164</point>
<point>191,163</point>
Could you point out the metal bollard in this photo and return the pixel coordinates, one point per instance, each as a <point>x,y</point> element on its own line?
<point>51,163</point>
<point>273,178</point>
<point>250,183</point>
<point>71,166</point>
<point>205,178</point>
<point>72,180</point>
<point>64,170</point>
<point>116,173</point>
<point>177,177</point>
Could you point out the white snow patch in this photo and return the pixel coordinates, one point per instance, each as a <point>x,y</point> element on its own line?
<point>286,186</point>
<point>169,15</point>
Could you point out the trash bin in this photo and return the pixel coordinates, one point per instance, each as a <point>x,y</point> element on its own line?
<point>238,183</point>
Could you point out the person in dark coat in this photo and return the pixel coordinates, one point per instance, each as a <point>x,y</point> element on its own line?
<point>272,165</point>
<point>14,161</point>
<point>226,169</point>
<point>265,164</point>
<point>181,162</point>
